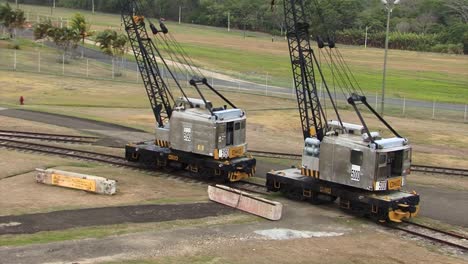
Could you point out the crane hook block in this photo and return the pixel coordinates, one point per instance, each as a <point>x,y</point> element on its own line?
<point>163,28</point>
<point>331,43</point>
<point>154,29</point>
<point>320,42</point>
<point>138,19</point>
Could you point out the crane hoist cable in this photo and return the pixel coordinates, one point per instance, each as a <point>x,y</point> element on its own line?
<point>334,52</point>
<point>183,58</point>
<point>337,50</point>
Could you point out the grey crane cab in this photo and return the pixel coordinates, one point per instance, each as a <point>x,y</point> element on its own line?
<point>192,128</point>
<point>346,156</point>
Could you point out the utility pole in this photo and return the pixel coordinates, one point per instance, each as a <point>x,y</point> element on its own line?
<point>389,5</point>
<point>92,3</point>
<point>229,21</point>
<point>180,14</point>
<point>365,42</point>
<point>17,4</point>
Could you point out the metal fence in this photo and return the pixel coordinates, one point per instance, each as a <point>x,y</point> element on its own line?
<point>105,67</point>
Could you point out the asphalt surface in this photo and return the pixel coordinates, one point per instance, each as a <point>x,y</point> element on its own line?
<point>63,120</point>
<point>59,220</point>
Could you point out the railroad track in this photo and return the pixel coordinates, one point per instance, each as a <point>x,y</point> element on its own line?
<point>48,137</point>
<point>451,239</point>
<point>414,167</point>
<point>116,161</point>
<point>258,153</point>
<point>439,170</point>
<point>65,152</point>
<point>278,155</point>
<point>249,187</point>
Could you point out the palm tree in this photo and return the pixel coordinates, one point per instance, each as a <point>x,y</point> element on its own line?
<point>105,40</point>
<point>65,38</point>
<point>79,23</point>
<point>41,29</point>
<point>11,19</point>
<point>113,44</point>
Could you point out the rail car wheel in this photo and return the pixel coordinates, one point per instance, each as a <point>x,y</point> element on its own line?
<point>206,173</point>
<point>292,193</point>
<point>320,198</point>
<point>194,170</point>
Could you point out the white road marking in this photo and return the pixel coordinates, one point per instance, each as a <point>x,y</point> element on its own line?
<point>284,234</point>
<point>9,224</point>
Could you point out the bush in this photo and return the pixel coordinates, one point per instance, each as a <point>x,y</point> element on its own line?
<point>402,41</point>
<point>448,48</point>
<point>14,45</point>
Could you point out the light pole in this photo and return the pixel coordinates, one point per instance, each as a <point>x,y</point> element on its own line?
<point>365,42</point>
<point>389,5</point>
<point>229,21</point>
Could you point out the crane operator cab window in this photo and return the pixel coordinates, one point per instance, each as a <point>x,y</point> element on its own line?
<point>356,157</point>
<point>231,129</point>
<point>230,133</point>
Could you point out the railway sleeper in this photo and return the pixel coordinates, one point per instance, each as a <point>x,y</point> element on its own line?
<point>393,206</point>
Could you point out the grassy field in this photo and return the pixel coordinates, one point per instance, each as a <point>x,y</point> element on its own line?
<point>425,76</point>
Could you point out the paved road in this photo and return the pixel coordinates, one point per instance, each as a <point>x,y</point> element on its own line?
<point>59,220</point>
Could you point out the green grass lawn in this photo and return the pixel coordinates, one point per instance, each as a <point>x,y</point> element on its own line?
<point>414,75</point>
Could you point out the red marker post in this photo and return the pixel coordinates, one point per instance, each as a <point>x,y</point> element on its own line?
<point>21,100</point>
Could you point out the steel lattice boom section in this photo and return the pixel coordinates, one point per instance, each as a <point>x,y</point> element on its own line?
<point>144,50</point>
<point>302,61</point>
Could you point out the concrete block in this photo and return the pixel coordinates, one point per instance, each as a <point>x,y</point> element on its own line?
<point>78,181</point>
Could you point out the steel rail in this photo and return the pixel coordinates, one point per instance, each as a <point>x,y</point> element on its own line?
<point>67,152</point>
<point>433,236</point>
<point>439,170</point>
<point>47,137</point>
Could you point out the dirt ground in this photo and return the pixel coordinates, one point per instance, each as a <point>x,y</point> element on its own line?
<point>18,192</point>
<point>320,228</point>
<point>314,235</point>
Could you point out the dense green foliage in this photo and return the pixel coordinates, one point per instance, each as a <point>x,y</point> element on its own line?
<point>66,38</point>
<point>11,18</point>
<point>426,25</point>
<point>111,42</point>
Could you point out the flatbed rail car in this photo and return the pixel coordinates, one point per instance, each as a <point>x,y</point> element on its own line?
<point>153,156</point>
<point>383,206</point>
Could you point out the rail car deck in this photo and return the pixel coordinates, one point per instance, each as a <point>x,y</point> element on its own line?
<point>382,206</point>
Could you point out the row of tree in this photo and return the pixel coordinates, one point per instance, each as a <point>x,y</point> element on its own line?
<point>66,38</point>
<point>448,19</point>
